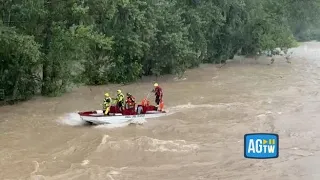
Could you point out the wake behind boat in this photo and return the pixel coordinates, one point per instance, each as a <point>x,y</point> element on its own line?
<point>142,112</point>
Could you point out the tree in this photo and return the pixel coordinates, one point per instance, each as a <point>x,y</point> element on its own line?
<point>49,45</point>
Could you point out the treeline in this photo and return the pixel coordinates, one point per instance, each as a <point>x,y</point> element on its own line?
<point>46,45</point>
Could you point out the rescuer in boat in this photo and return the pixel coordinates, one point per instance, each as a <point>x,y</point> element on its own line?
<point>158,93</point>
<point>120,100</point>
<point>130,102</point>
<point>106,103</point>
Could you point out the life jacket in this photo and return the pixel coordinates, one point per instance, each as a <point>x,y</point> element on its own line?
<point>145,102</point>
<point>106,102</point>
<point>130,99</point>
<point>130,102</point>
<point>158,91</point>
<point>120,97</point>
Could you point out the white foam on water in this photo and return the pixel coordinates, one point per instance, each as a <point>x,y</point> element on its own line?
<point>37,177</point>
<point>193,106</point>
<point>157,145</point>
<point>111,126</point>
<point>85,162</point>
<point>74,172</point>
<point>114,173</point>
<point>138,121</point>
<point>149,144</point>
<point>36,167</point>
<point>72,119</point>
<point>180,79</point>
<point>104,140</point>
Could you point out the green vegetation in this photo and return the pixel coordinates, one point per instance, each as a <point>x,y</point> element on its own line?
<point>46,45</point>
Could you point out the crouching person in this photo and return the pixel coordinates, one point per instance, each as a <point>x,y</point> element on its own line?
<point>130,102</point>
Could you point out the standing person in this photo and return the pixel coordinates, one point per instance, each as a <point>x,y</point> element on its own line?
<point>130,102</point>
<point>158,93</point>
<point>106,103</point>
<point>120,100</point>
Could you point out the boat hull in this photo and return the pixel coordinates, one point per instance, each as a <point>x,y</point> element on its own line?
<point>98,118</point>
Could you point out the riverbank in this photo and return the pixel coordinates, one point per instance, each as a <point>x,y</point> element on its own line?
<point>151,79</point>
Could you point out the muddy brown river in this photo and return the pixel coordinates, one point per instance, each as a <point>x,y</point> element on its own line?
<point>202,139</point>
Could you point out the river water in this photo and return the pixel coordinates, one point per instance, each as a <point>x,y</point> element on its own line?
<point>203,139</point>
